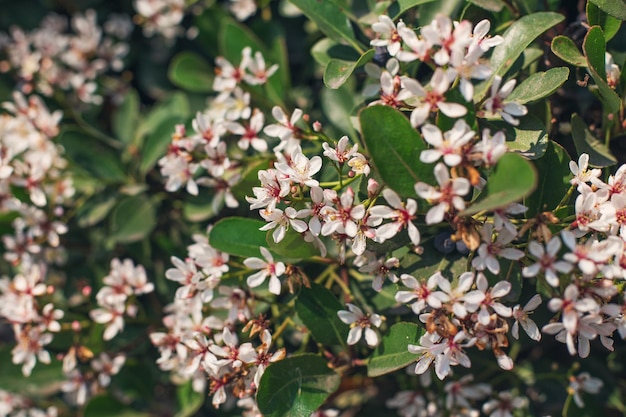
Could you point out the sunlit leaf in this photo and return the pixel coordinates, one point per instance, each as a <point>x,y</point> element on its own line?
<point>616,8</point>
<point>238,236</point>
<point>539,85</point>
<point>317,307</point>
<point>296,386</point>
<point>191,72</point>
<point>554,176</point>
<point>594,46</point>
<point>126,118</point>
<point>392,353</point>
<point>516,38</point>
<point>337,71</point>
<point>132,219</point>
<point>566,49</point>
<point>599,155</point>
<point>330,19</point>
<point>395,147</point>
<point>512,179</point>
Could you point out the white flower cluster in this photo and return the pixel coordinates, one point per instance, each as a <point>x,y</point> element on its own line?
<point>15,405</point>
<point>229,117</point>
<point>201,342</point>
<point>49,58</point>
<point>33,188</point>
<point>456,49</point>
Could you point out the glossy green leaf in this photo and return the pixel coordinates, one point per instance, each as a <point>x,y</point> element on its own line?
<point>400,6</point>
<point>126,118</point>
<point>566,49</point>
<point>189,401</point>
<point>338,71</point>
<point>317,307</point>
<point>44,379</point>
<point>491,5</point>
<point>529,138</point>
<point>326,49</point>
<point>609,24</point>
<point>91,156</point>
<point>191,72</point>
<point>616,8</point>
<point>395,146</point>
<point>431,261</point>
<point>512,179</point>
<point>554,176</point>
<point>156,143</point>
<point>238,236</point>
<point>430,10</point>
<point>516,38</point>
<point>296,386</point>
<point>199,208</point>
<point>132,219</point>
<point>95,209</point>
<point>539,85</point>
<point>599,155</point>
<point>109,406</point>
<point>594,46</point>
<point>293,246</point>
<point>392,353</point>
<point>330,19</point>
<point>338,106</point>
<point>175,106</point>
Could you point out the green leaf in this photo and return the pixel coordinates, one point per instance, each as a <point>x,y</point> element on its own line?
<point>317,307</point>
<point>293,246</point>
<point>516,38</point>
<point>609,24</point>
<point>616,8</point>
<point>238,236</point>
<point>400,6</point>
<point>126,117</point>
<point>199,208</point>
<point>528,139</point>
<point>326,49</point>
<point>432,261</point>
<point>44,379</point>
<point>95,209</point>
<point>395,146</point>
<point>191,72</point>
<point>132,219</point>
<point>599,155</point>
<point>554,176</point>
<point>175,106</point>
<point>539,85</point>
<point>512,179</point>
<point>594,46</point>
<point>566,49</point>
<point>491,5</point>
<point>338,71</point>
<point>338,106</point>
<point>109,406</point>
<point>392,353</point>
<point>189,401</point>
<point>157,142</point>
<point>91,156</point>
<point>296,386</point>
<point>331,20</point>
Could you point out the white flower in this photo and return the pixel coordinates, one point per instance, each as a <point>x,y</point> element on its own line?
<point>496,103</point>
<point>448,145</point>
<point>521,317</point>
<point>583,382</point>
<point>547,261</point>
<point>389,34</point>
<point>447,198</point>
<point>267,268</point>
<point>360,324</point>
